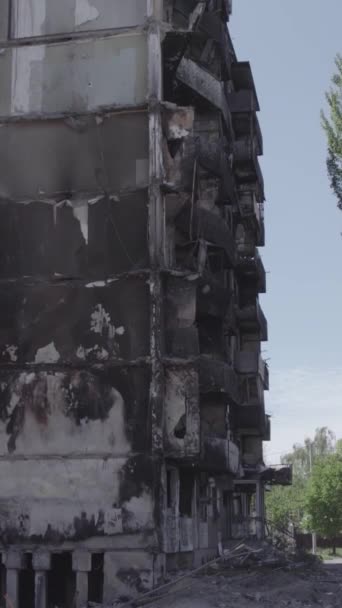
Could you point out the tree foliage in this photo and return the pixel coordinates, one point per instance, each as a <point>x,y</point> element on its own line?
<point>332,126</point>
<point>286,505</point>
<point>323,501</point>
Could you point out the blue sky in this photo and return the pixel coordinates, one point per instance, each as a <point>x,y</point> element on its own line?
<point>291,46</point>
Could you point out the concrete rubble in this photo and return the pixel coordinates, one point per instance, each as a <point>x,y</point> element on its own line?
<point>249,575</point>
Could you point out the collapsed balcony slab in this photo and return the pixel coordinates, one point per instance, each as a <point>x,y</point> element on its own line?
<point>204,84</point>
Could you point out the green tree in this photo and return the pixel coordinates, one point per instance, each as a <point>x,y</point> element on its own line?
<point>323,500</point>
<point>286,505</point>
<point>333,129</point>
<point>303,457</point>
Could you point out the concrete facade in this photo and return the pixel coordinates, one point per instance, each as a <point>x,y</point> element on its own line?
<point>131,377</point>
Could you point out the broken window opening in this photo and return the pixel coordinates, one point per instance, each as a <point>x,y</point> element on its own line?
<point>180,428</point>
<point>95,579</point>
<point>61,581</point>
<point>186,488</point>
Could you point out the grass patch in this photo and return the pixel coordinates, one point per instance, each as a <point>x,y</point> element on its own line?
<point>326,554</point>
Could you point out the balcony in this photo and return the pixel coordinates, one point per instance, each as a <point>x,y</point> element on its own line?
<point>278,475</point>
<point>251,363</point>
<point>213,299</point>
<point>248,172</point>
<point>208,87</point>
<point>213,27</point>
<point>243,79</point>
<point>219,455</point>
<point>252,318</point>
<point>251,420</point>
<point>217,377</point>
<point>198,223</point>
<point>252,213</point>
<point>250,266</point>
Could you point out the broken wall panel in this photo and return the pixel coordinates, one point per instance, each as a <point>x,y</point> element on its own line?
<point>92,237</point>
<point>47,17</point>
<point>75,76</point>
<point>182,417</point>
<point>45,413</point>
<point>87,154</point>
<point>70,323</point>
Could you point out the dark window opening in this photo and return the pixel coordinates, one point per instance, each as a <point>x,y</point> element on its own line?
<point>186,487</point>
<point>203,497</point>
<point>26,585</point>
<point>61,581</point>
<point>180,428</point>
<point>169,489</point>
<point>95,579</point>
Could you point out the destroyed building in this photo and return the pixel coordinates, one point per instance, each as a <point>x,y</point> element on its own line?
<point>132,381</point>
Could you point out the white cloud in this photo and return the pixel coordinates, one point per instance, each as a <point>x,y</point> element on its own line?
<point>301,400</point>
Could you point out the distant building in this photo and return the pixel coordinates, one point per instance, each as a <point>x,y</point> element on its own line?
<point>131,377</point>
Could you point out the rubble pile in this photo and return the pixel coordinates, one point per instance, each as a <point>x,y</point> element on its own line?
<point>246,575</point>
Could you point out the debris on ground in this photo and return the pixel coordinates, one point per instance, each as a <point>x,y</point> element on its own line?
<point>248,575</point>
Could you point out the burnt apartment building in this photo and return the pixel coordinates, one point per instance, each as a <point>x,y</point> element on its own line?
<point>132,383</point>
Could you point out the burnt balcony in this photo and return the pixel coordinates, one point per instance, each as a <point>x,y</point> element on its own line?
<point>213,299</point>
<point>251,363</point>
<point>251,267</point>
<point>218,377</point>
<point>249,176</point>
<point>219,455</point>
<point>198,223</point>
<point>251,318</point>
<point>252,213</point>
<point>201,83</point>
<point>251,420</point>
<point>278,475</point>
<point>211,26</point>
<point>243,79</point>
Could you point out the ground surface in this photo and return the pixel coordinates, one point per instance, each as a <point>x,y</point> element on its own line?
<point>246,576</point>
<point>308,586</point>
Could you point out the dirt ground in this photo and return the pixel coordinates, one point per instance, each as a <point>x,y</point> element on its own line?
<point>302,586</point>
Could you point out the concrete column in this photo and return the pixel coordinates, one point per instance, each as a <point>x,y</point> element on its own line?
<point>81,564</point>
<point>41,561</point>
<point>259,503</point>
<point>15,561</point>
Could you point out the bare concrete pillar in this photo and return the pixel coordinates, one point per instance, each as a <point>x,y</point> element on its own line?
<point>81,564</point>
<point>259,503</point>
<point>41,561</point>
<point>15,561</point>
